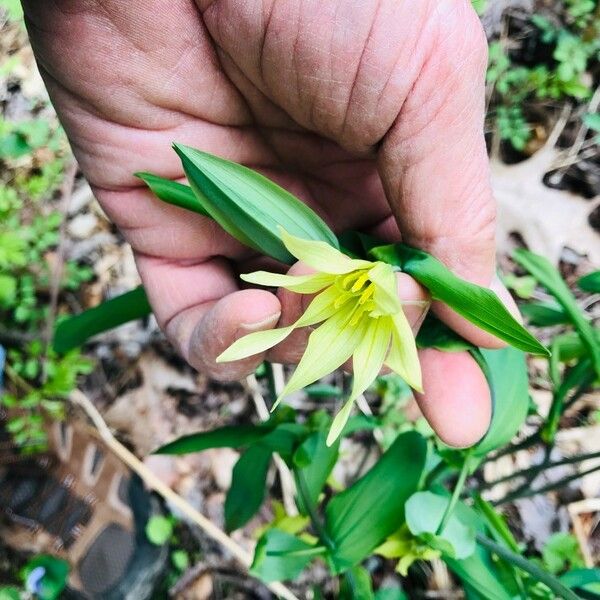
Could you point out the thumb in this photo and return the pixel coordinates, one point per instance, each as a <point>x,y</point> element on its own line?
<point>434,164</point>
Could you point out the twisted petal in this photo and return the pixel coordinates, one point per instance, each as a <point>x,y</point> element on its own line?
<point>367,360</point>
<point>329,347</point>
<point>403,358</point>
<point>302,284</point>
<point>386,291</point>
<point>318,310</point>
<point>321,256</point>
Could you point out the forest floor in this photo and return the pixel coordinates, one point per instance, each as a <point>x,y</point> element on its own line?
<point>548,189</point>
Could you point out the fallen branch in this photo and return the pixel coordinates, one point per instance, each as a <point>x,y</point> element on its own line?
<point>154,483</point>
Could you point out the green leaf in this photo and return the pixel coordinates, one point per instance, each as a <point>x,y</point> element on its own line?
<point>356,585</point>
<point>248,482</point>
<point>578,579</point>
<point>358,519</point>
<point>592,120</point>
<point>560,551</point>
<point>180,560</point>
<point>478,573</point>
<point>435,334</point>
<point>529,567</point>
<point>323,390</point>
<point>544,314</point>
<point>390,593</point>
<point>313,461</point>
<point>74,331</point>
<point>9,593</point>
<point>424,513</point>
<point>249,206</point>
<point>8,289</point>
<point>506,371</point>
<point>270,561</point>
<point>54,579</point>
<point>550,278</point>
<point>231,436</point>
<point>173,192</point>
<point>159,530</point>
<point>478,305</point>
<point>590,282</point>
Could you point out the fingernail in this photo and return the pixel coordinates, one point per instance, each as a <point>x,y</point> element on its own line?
<point>505,297</point>
<point>267,323</point>
<point>416,311</point>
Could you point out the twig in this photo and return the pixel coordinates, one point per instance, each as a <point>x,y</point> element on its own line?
<point>579,139</point>
<point>288,487</point>
<point>537,469</point>
<point>527,493</point>
<point>66,191</point>
<point>154,483</point>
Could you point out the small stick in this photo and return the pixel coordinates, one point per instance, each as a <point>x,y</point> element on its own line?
<point>154,483</point>
<point>288,487</point>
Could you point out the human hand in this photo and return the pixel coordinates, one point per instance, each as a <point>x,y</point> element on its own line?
<point>370,112</point>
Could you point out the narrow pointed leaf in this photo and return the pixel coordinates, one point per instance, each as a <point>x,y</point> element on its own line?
<point>74,331</point>
<point>248,482</point>
<point>477,304</point>
<point>510,396</point>
<point>249,206</point>
<point>236,436</point>
<point>590,283</point>
<point>313,463</point>
<point>173,192</point>
<point>550,278</point>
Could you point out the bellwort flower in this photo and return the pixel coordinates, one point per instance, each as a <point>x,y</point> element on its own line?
<point>360,316</point>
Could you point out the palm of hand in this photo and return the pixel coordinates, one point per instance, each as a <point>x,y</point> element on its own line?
<point>269,88</point>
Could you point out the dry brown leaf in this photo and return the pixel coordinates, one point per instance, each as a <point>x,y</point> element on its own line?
<point>547,219</point>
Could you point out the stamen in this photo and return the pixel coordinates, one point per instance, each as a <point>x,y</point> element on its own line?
<point>366,295</point>
<point>348,279</point>
<point>342,299</point>
<point>358,284</point>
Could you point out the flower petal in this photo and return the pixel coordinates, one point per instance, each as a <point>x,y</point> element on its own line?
<point>339,422</point>
<point>302,284</point>
<point>403,357</point>
<point>321,256</point>
<point>254,343</point>
<point>318,310</point>
<point>367,360</point>
<point>329,347</point>
<point>386,290</point>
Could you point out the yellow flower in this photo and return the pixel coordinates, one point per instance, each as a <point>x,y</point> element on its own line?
<point>360,315</point>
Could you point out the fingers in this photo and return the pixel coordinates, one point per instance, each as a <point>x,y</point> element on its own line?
<point>231,318</point>
<point>434,162</point>
<point>456,401</point>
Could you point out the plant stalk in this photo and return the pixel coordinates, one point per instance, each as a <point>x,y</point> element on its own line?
<point>456,493</point>
<point>525,565</point>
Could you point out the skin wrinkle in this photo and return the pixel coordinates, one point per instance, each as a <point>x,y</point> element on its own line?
<point>261,52</point>
<point>317,78</point>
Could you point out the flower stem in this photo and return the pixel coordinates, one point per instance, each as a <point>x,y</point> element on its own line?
<point>525,565</point>
<point>458,488</point>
